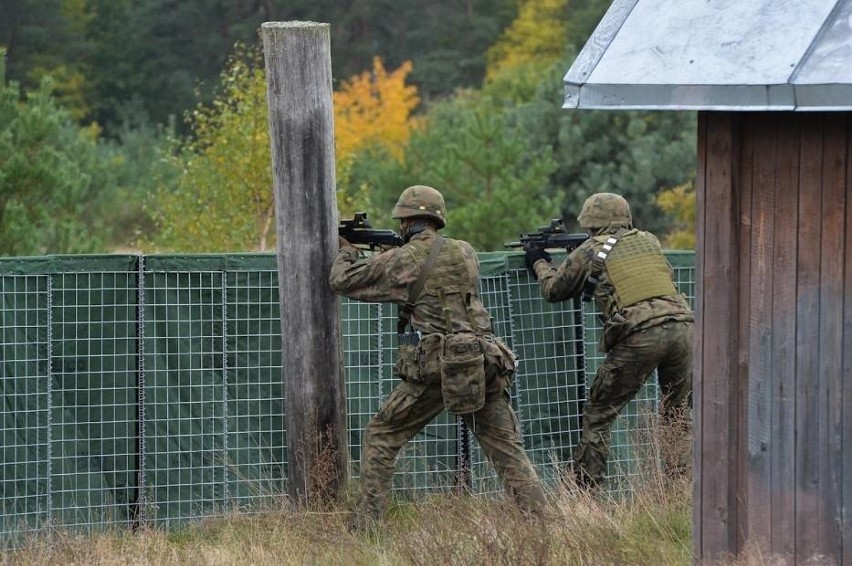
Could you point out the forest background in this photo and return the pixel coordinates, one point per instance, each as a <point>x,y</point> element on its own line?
<point>142,124</point>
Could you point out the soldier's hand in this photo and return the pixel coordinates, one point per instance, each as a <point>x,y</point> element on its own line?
<point>532,254</point>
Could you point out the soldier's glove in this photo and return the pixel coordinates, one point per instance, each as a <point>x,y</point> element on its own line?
<point>533,254</point>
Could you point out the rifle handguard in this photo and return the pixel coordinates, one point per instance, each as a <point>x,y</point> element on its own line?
<point>359,232</point>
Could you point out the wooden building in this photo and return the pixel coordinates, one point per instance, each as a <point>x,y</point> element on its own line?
<point>771,81</point>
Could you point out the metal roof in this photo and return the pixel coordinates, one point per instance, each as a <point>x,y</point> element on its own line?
<point>717,55</point>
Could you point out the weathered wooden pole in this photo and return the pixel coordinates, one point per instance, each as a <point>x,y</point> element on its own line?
<point>301,133</point>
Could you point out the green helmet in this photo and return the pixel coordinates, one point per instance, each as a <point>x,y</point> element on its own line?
<point>421,201</point>
<point>602,209</point>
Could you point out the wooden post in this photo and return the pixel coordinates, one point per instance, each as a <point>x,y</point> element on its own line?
<point>301,132</point>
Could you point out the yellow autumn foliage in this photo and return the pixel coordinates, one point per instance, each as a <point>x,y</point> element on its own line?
<point>679,203</point>
<point>223,199</point>
<point>374,108</point>
<point>536,37</point>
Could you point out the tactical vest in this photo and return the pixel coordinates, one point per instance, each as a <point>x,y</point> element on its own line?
<point>450,293</point>
<point>637,269</point>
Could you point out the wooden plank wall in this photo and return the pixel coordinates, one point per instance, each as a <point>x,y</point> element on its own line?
<point>773,420</point>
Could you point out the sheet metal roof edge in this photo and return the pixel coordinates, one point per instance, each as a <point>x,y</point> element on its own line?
<point>591,53</point>
<point>824,97</point>
<point>796,96</point>
<point>786,97</point>
<point>683,97</point>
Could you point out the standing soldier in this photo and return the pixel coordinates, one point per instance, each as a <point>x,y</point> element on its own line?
<point>647,325</point>
<point>447,359</point>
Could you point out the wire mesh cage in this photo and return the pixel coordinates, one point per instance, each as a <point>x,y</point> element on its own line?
<point>149,389</point>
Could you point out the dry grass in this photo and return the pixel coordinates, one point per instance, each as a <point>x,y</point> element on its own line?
<point>652,527</point>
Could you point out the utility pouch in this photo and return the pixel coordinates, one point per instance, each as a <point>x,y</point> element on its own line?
<point>431,348</point>
<point>500,361</point>
<point>407,366</point>
<point>463,374</point>
<point>613,331</point>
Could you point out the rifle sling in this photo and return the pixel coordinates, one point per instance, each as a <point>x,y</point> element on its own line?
<point>414,291</point>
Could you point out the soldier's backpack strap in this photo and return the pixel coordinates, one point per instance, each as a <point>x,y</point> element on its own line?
<point>414,291</point>
<point>598,264</point>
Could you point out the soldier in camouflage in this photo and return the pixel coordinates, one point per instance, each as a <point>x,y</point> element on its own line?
<point>447,305</point>
<point>647,325</point>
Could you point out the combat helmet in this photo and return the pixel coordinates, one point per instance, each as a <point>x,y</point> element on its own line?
<point>602,209</point>
<point>421,201</point>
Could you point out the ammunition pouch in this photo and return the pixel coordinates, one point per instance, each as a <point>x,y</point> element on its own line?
<point>419,359</point>
<point>464,364</point>
<point>430,358</point>
<point>463,373</point>
<point>500,361</point>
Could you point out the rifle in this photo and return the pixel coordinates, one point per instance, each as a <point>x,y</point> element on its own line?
<point>359,232</point>
<point>553,236</point>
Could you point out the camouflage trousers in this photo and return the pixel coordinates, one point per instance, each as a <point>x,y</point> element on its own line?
<point>666,348</point>
<point>408,409</point>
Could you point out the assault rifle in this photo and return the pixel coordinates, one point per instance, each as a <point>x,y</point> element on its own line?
<point>553,236</point>
<point>358,232</point>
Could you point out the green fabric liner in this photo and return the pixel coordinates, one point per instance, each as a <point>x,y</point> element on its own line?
<point>214,438</point>
<point>43,265</point>
<point>491,263</point>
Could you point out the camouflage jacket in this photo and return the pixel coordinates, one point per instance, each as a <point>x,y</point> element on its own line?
<point>386,277</point>
<point>568,280</point>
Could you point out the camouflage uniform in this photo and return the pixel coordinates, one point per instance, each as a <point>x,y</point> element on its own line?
<point>638,337</point>
<point>449,297</point>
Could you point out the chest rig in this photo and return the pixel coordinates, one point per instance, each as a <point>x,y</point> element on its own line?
<point>445,289</point>
<point>634,265</point>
